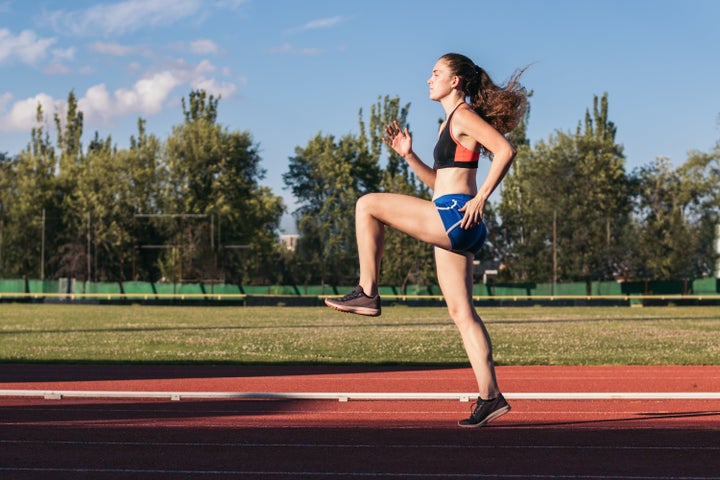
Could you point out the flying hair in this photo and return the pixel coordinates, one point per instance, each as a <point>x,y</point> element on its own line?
<point>502,106</point>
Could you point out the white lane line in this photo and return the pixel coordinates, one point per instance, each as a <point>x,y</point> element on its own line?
<point>346,396</point>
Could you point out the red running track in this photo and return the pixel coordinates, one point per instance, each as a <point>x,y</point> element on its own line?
<point>104,438</point>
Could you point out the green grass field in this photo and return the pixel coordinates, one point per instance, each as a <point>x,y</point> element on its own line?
<point>403,335</point>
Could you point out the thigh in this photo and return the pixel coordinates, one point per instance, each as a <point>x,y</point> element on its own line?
<point>411,215</point>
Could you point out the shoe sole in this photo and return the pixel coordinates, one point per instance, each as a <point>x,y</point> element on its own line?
<point>368,312</point>
<point>493,416</point>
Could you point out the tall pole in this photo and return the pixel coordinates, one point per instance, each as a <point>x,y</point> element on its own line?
<point>42,248</point>
<point>89,258</point>
<point>554,248</point>
<point>134,249</point>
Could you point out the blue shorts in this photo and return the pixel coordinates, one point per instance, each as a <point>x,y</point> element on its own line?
<point>461,240</point>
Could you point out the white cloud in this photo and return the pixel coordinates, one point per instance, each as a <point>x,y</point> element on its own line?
<point>210,85</point>
<point>204,47</point>
<point>57,69</point>
<point>96,102</point>
<point>23,114</point>
<point>5,100</point>
<point>26,47</point>
<point>65,54</point>
<point>197,77</point>
<point>203,67</point>
<point>230,4</point>
<point>322,23</point>
<point>114,49</point>
<point>148,96</point>
<point>319,23</point>
<point>291,49</point>
<point>123,17</point>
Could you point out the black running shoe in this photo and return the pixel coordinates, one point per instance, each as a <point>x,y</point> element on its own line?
<point>356,302</point>
<point>485,411</point>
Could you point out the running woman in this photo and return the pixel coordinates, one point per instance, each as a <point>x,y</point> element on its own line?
<point>478,114</point>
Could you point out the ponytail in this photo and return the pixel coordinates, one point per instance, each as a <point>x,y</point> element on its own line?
<point>500,106</point>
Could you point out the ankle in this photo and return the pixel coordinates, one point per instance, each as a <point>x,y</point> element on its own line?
<point>370,290</point>
<point>489,396</point>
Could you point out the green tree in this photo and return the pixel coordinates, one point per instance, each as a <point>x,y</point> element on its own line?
<point>327,177</point>
<point>73,255</point>
<point>580,179</point>
<point>102,193</point>
<point>214,172</point>
<point>145,180</point>
<point>31,190</point>
<point>7,186</point>
<point>509,230</point>
<point>405,260</point>
<point>677,213</point>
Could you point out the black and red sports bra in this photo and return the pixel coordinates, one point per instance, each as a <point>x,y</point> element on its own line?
<point>450,153</point>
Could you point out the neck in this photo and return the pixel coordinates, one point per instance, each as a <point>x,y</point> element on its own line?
<point>451,102</point>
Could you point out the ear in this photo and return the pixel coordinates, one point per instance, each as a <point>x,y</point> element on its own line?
<point>455,83</point>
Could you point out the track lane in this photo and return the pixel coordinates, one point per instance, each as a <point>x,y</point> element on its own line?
<point>299,439</point>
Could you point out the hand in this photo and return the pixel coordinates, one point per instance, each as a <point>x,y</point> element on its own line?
<point>397,139</point>
<point>473,213</point>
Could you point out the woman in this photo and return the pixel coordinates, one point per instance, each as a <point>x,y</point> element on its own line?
<point>478,113</point>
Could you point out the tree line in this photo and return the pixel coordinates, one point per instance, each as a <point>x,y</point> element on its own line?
<point>192,207</point>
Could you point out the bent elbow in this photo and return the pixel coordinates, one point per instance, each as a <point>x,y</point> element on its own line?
<point>506,154</point>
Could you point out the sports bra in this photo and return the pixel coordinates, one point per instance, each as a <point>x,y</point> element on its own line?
<point>450,153</point>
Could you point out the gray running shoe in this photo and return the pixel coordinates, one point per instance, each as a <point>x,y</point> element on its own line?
<point>356,302</point>
<point>485,411</point>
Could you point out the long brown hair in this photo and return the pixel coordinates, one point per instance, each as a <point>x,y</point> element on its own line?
<point>500,106</point>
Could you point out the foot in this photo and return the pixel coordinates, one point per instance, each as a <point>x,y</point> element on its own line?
<point>356,302</point>
<point>485,411</point>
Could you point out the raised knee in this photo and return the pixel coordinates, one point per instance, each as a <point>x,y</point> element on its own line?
<point>368,198</point>
<point>366,203</point>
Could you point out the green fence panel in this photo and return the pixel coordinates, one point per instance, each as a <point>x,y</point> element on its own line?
<point>316,290</point>
<point>12,286</point>
<point>44,286</point>
<point>139,288</point>
<point>256,290</point>
<point>166,288</point>
<point>223,289</point>
<point>706,286</point>
<point>514,289</point>
<point>607,288</point>
<point>189,289</point>
<point>101,288</point>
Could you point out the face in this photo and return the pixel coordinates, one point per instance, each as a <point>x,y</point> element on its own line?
<point>442,81</point>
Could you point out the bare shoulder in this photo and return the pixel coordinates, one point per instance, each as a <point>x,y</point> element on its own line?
<point>467,122</point>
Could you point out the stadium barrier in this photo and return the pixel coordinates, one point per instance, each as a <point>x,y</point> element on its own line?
<point>704,291</point>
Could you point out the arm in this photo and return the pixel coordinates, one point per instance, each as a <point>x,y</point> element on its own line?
<point>401,142</point>
<point>469,124</point>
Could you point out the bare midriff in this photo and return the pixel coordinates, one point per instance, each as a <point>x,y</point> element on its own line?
<point>455,180</point>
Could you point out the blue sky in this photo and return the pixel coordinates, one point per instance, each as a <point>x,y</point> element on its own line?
<point>288,69</point>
